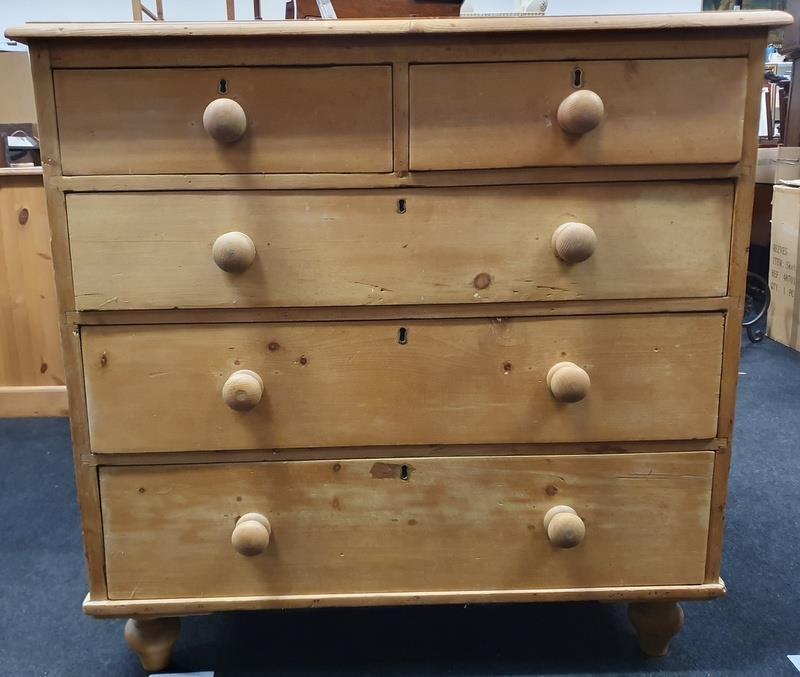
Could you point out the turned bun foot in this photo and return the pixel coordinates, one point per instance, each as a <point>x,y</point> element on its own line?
<point>152,640</point>
<point>656,623</point>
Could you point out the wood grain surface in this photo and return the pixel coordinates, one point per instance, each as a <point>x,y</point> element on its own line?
<point>358,527</point>
<point>416,246</point>
<point>579,24</point>
<point>30,350</point>
<point>158,388</point>
<point>493,115</point>
<point>149,121</point>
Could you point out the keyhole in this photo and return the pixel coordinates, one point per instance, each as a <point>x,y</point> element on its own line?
<point>404,472</point>
<point>402,336</point>
<point>577,78</point>
<point>223,86</point>
<point>401,206</point>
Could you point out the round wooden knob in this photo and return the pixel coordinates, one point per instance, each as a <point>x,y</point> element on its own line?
<point>580,112</point>
<point>574,242</point>
<point>233,252</point>
<point>568,382</point>
<point>243,390</point>
<point>251,534</point>
<point>563,526</point>
<point>225,120</point>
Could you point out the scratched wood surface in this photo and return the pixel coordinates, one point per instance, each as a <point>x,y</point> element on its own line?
<point>31,367</point>
<point>710,38</point>
<point>417,246</point>
<point>149,121</point>
<point>158,388</point>
<point>472,116</point>
<point>357,527</point>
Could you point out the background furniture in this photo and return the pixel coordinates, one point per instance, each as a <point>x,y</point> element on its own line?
<point>432,311</point>
<point>31,367</point>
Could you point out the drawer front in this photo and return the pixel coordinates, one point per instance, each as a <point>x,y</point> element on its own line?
<point>451,245</point>
<point>151,121</point>
<point>357,527</point>
<point>482,115</point>
<point>330,384</point>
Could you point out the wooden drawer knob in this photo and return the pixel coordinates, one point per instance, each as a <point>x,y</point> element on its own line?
<point>233,252</point>
<point>563,526</point>
<point>251,534</point>
<point>568,382</point>
<point>574,242</point>
<point>243,390</point>
<point>580,112</point>
<point>225,120</point>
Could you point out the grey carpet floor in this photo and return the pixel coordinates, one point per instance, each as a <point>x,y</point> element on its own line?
<point>43,632</point>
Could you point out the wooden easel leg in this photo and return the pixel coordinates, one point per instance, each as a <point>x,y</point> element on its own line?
<point>152,639</point>
<point>656,623</point>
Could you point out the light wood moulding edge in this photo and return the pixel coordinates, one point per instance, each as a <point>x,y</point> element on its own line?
<point>334,454</point>
<point>86,477</point>
<point>288,50</point>
<point>399,312</point>
<point>737,280</point>
<point>657,22</point>
<point>192,605</point>
<point>33,401</point>
<point>398,180</point>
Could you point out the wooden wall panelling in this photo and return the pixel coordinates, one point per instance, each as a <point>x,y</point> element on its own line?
<point>31,367</point>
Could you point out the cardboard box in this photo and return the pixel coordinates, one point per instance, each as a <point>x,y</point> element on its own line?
<point>778,164</point>
<point>783,316</point>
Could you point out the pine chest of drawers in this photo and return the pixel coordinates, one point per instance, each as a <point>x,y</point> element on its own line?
<point>400,312</point>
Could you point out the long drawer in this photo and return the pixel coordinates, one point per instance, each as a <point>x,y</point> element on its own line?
<point>451,245</point>
<point>400,525</point>
<point>491,115</point>
<point>330,384</point>
<point>151,121</point>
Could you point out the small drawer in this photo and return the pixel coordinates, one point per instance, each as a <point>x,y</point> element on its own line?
<point>492,115</point>
<point>153,388</point>
<point>449,245</point>
<point>405,525</point>
<point>225,120</point>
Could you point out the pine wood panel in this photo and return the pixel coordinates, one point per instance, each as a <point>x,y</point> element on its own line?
<point>396,45</point>
<point>141,52</point>
<point>149,121</point>
<point>472,116</point>
<point>357,527</point>
<point>742,222</point>
<point>458,245</point>
<point>30,351</point>
<point>398,179</point>
<point>157,388</point>
<point>165,607</point>
<point>383,312</point>
<point>660,23</point>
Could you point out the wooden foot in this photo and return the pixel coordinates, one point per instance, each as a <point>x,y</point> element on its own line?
<point>152,639</point>
<point>656,623</point>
